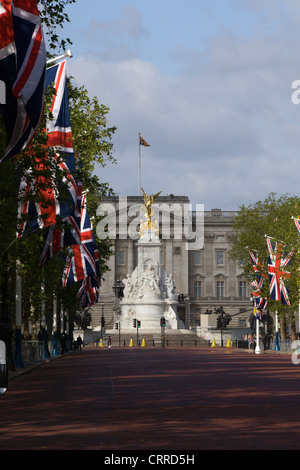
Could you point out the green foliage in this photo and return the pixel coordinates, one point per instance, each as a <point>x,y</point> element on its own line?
<point>271,217</point>
<point>53,15</point>
<point>93,146</point>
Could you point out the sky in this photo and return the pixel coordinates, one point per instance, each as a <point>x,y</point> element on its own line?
<point>207,83</point>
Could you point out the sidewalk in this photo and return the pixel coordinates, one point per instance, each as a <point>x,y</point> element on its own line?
<point>32,366</point>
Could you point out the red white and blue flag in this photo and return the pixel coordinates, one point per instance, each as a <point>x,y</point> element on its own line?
<point>57,238</point>
<point>297,223</point>
<point>277,262</point>
<point>64,234</point>
<point>44,212</point>
<point>258,314</point>
<point>59,129</point>
<point>88,293</point>
<point>22,70</point>
<point>83,259</point>
<point>258,281</point>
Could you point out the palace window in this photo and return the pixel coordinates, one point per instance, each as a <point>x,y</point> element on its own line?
<point>120,258</point>
<point>197,258</point>
<point>220,258</point>
<point>220,289</point>
<point>242,289</point>
<point>197,289</point>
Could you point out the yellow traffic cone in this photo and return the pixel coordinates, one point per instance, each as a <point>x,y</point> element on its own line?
<point>101,343</point>
<point>213,344</point>
<point>131,343</point>
<point>228,344</point>
<point>143,343</point>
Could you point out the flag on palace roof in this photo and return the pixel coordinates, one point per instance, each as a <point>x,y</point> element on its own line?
<point>143,142</point>
<point>22,69</point>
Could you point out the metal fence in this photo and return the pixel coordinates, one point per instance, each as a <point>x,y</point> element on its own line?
<point>32,351</point>
<point>284,345</point>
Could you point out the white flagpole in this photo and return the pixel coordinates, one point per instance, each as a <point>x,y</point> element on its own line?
<point>257,348</point>
<point>63,56</point>
<point>139,192</point>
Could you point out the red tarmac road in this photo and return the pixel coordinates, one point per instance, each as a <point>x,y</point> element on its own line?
<point>155,399</point>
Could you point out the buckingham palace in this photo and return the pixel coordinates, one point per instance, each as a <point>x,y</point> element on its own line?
<point>205,277</point>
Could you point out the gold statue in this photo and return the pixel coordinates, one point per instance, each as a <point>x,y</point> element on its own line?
<point>148,201</point>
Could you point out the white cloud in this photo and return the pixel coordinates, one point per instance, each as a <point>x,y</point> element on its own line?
<point>224,131</point>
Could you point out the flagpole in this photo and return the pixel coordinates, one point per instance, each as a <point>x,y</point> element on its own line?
<point>257,348</point>
<point>63,56</point>
<point>139,182</point>
<point>277,348</point>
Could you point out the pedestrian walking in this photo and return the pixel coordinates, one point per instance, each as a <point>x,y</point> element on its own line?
<point>63,343</point>
<point>109,342</point>
<point>79,343</point>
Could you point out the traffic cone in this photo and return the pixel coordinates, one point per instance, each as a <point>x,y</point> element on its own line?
<point>143,343</point>
<point>131,343</point>
<point>101,343</point>
<point>228,344</point>
<point>213,344</point>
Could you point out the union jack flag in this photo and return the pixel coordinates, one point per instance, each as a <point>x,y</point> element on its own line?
<point>256,265</point>
<point>22,69</point>
<point>258,313</point>
<point>277,263</point>
<point>83,260</point>
<point>44,213</point>
<point>59,129</point>
<point>257,284</point>
<point>297,223</point>
<point>57,238</point>
<point>88,294</point>
<point>90,287</point>
<point>62,235</point>
<point>80,264</point>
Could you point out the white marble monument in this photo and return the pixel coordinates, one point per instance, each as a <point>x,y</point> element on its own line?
<point>149,292</point>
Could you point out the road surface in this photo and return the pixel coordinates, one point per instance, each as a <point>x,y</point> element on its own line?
<point>155,399</point>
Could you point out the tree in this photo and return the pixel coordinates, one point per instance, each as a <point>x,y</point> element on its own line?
<point>92,142</point>
<point>271,217</point>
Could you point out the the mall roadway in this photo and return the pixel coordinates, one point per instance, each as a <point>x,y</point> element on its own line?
<point>155,399</point>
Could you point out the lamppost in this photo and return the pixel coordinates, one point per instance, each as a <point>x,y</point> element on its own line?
<point>277,347</point>
<point>102,320</point>
<point>162,326</point>
<point>118,289</point>
<point>222,321</point>
<point>257,314</point>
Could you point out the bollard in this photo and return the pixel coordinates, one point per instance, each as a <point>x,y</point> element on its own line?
<point>131,343</point>
<point>101,343</point>
<point>143,343</point>
<point>3,369</point>
<point>213,344</point>
<point>228,344</point>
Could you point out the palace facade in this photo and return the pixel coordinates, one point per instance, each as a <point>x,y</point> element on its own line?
<point>205,276</point>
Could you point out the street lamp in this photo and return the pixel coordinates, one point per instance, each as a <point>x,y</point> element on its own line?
<point>102,319</point>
